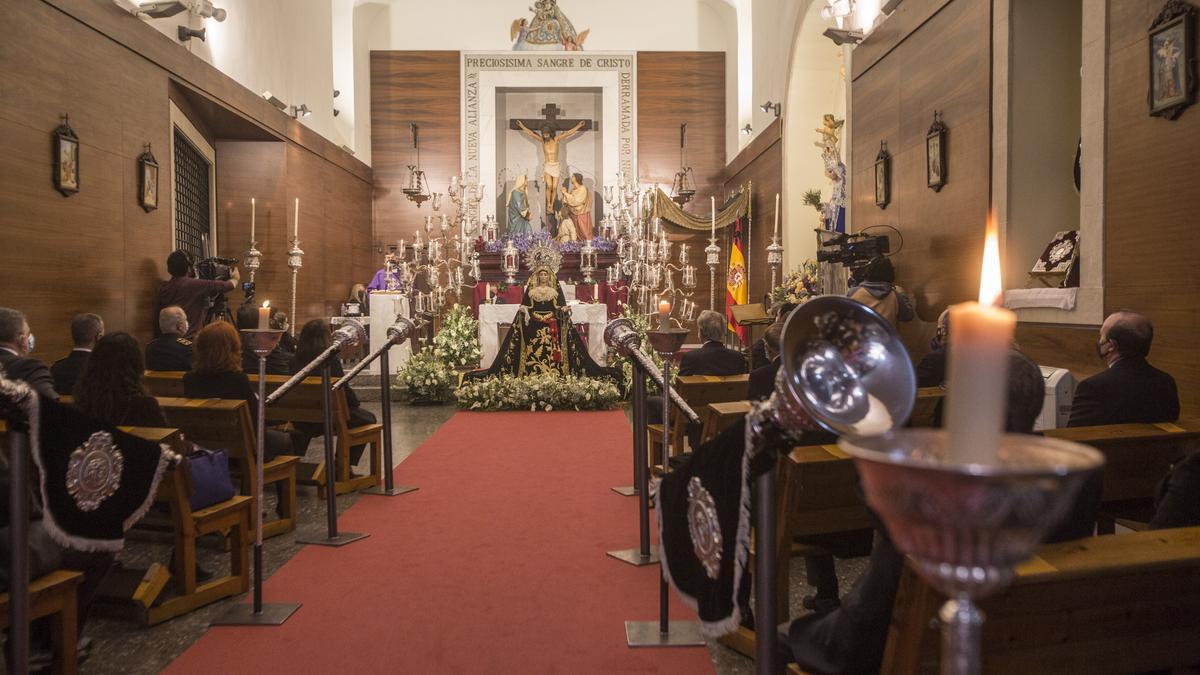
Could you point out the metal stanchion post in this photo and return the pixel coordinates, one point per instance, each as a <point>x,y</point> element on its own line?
<point>258,614</point>
<point>644,554</point>
<point>18,507</point>
<point>664,632</point>
<point>765,610</point>
<point>388,488</point>
<point>333,538</point>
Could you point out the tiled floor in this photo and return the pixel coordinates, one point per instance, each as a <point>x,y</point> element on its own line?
<point>126,648</point>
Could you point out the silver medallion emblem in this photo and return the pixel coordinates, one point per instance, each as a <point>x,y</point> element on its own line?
<point>704,527</point>
<point>94,471</point>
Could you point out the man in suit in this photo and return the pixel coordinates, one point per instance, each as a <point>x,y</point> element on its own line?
<point>762,379</point>
<point>85,330</point>
<point>1130,389</point>
<point>16,342</point>
<point>712,358</point>
<point>171,350</point>
<point>278,361</point>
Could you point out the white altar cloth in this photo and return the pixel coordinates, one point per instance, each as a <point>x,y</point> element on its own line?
<point>385,307</point>
<point>491,317</point>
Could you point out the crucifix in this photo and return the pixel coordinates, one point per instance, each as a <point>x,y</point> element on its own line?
<point>550,132</point>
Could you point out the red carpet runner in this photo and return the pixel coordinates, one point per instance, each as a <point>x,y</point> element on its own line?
<point>495,565</point>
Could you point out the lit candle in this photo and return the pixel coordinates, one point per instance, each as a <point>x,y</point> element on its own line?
<point>264,316</point>
<point>252,220</point>
<point>296,220</point>
<point>595,292</point>
<point>777,214</point>
<point>714,217</point>
<point>977,368</point>
<point>664,313</point>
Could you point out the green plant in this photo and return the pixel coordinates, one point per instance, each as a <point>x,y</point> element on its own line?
<point>457,343</point>
<point>543,393</point>
<point>813,198</point>
<point>425,378</point>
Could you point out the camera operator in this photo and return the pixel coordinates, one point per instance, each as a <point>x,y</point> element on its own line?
<point>190,293</point>
<point>874,285</point>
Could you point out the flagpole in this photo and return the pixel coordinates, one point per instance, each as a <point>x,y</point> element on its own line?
<point>747,248</point>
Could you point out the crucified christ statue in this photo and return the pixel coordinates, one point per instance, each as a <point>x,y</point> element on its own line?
<point>551,131</point>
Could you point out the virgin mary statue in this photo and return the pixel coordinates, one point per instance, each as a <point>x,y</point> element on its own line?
<point>543,340</point>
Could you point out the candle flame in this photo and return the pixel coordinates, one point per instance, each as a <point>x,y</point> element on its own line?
<point>266,303</point>
<point>990,288</point>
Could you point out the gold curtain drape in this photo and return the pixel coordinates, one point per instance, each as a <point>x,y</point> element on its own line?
<point>672,213</point>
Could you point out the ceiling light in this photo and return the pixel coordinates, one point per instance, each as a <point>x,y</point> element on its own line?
<point>747,130</point>
<point>301,110</point>
<point>274,100</point>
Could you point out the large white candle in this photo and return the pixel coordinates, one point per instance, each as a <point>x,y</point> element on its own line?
<point>252,220</point>
<point>714,217</point>
<point>776,214</point>
<point>977,368</point>
<point>296,220</point>
<point>264,316</point>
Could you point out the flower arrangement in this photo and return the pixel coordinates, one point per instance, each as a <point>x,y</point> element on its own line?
<point>523,242</point>
<point>800,285</point>
<point>426,379</point>
<point>457,343</point>
<point>538,393</point>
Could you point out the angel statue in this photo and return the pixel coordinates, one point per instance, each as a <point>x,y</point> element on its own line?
<point>549,30</point>
<point>543,340</point>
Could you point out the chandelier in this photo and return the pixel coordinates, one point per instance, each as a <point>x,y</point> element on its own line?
<point>416,190</point>
<point>684,186</point>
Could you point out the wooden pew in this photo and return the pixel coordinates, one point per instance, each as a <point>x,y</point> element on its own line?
<point>164,383</point>
<point>226,424</point>
<point>1107,604</point>
<point>53,595</point>
<point>698,391</point>
<point>303,404</point>
<point>926,404</point>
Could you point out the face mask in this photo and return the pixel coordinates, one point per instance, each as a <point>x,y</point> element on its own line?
<point>1100,349</point>
<point>30,343</point>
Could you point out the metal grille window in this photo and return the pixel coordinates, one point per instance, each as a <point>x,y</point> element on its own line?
<point>192,209</point>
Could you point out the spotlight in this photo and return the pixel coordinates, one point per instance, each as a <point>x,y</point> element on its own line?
<point>776,108</point>
<point>337,93</point>
<point>336,112</point>
<point>274,100</point>
<point>301,110</point>
<point>186,33</point>
<point>841,36</point>
<point>747,130</point>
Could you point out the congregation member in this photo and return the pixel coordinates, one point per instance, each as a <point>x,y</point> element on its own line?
<point>110,389</point>
<point>758,354</point>
<point>85,330</point>
<point>1177,503</point>
<point>190,293</point>
<point>1129,389</point>
<point>16,345</point>
<point>217,373</point>
<point>851,638</point>
<point>875,286</point>
<point>315,338</point>
<point>170,351</point>
<point>931,369</point>
<point>278,361</point>
<point>287,341</point>
<point>762,379</point>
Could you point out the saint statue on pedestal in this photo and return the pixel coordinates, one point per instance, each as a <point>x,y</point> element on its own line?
<point>518,207</point>
<point>578,199</point>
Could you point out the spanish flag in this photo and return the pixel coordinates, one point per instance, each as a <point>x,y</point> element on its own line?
<point>736,283</point>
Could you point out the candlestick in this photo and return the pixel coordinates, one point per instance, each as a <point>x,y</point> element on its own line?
<point>252,221</point>
<point>776,214</point>
<point>714,216</point>
<point>977,367</point>
<point>296,220</point>
<point>664,313</point>
<point>264,316</point>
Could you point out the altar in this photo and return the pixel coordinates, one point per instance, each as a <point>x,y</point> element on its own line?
<point>493,317</point>
<point>385,307</point>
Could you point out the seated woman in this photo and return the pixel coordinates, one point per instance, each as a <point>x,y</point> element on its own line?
<point>315,338</point>
<point>543,340</point>
<point>110,389</point>
<point>217,373</point>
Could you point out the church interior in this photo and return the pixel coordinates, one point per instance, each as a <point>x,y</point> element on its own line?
<point>731,336</point>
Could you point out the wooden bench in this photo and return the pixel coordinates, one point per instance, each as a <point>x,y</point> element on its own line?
<point>164,383</point>
<point>303,404</point>
<point>698,391</point>
<point>1112,603</point>
<point>925,406</point>
<point>53,595</point>
<point>226,424</point>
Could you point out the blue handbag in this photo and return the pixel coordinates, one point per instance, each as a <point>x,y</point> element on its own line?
<point>211,483</point>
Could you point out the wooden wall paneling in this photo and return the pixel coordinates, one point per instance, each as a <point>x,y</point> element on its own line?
<point>407,87</point>
<point>258,170</point>
<point>673,88</point>
<point>907,18</point>
<point>1151,204</point>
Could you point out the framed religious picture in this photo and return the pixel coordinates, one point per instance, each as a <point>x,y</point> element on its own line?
<point>148,180</point>
<point>66,159</point>
<point>1172,62</point>
<point>883,176</point>
<point>935,154</point>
